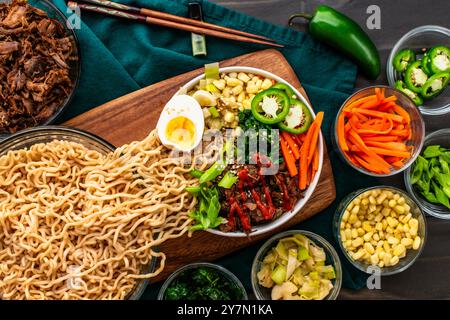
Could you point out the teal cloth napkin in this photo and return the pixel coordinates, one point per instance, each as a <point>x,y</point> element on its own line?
<point>120,56</point>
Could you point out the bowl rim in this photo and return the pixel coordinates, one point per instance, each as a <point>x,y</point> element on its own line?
<point>286,216</point>
<point>231,276</point>
<point>32,132</point>
<point>340,214</point>
<point>410,188</point>
<point>326,245</point>
<point>390,69</point>
<point>378,175</point>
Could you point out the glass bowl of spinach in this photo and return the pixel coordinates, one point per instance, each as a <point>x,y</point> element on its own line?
<point>202,281</point>
<point>428,179</point>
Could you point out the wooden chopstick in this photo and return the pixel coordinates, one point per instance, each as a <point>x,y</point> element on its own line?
<point>171,17</point>
<point>169,24</point>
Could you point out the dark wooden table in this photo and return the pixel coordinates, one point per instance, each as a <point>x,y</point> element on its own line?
<point>429,277</point>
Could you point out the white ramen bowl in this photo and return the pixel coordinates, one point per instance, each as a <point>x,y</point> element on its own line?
<point>267,227</point>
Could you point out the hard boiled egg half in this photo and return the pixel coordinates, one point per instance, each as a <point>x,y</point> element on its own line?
<point>181,123</point>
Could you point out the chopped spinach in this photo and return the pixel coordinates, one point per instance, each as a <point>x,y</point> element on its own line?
<point>203,283</point>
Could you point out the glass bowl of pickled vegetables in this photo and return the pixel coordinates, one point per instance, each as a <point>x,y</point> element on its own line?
<point>378,131</point>
<point>428,179</point>
<point>381,230</point>
<point>419,66</point>
<point>296,265</point>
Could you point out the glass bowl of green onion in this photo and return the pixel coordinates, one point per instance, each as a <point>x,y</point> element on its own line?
<point>428,179</point>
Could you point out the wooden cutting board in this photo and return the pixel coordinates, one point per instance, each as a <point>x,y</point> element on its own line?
<point>133,116</point>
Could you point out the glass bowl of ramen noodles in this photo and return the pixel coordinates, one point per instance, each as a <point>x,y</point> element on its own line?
<point>49,173</point>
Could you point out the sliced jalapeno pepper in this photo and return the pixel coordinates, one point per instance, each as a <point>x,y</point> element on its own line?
<point>415,97</point>
<point>291,94</point>
<point>402,59</point>
<point>298,119</point>
<point>270,106</point>
<point>440,59</point>
<point>415,77</point>
<point>435,85</point>
<point>425,64</point>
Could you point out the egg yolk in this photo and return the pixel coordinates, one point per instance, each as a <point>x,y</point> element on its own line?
<point>181,131</point>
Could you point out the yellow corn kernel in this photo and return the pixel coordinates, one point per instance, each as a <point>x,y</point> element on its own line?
<point>392,222</point>
<point>368,236</point>
<point>243,77</point>
<point>237,90</point>
<point>343,238</point>
<point>386,246</point>
<point>416,243</point>
<point>393,240</point>
<point>348,244</point>
<point>233,82</point>
<point>357,242</point>
<point>357,224</point>
<point>374,259</point>
<point>379,226</point>
<point>360,232</point>
<point>376,237</point>
<point>365,202</point>
<point>366,226</point>
<point>381,264</point>
<point>401,201</point>
<point>387,258</point>
<point>345,215</point>
<point>399,250</point>
<point>232,75</point>
<point>219,84</point>
<point>359,254</point>
<point>267,83</point>
<point>354,233</point>
<point>381,198</point>
<point>399,209</point>
<point>369,248</point>
<point>355,210</point>
<point>241,97</point>
<point>406,218</point>
<point>251,88</point>
<point>407,242</point>
<point>348,233</point>
<point>394,260</point>
<point>392,203</point>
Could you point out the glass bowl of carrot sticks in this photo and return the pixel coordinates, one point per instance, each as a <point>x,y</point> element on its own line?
<point>378,131</point>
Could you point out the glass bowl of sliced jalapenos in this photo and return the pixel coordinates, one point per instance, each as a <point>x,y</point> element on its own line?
<point>419,66</point>
<point>428,179</point>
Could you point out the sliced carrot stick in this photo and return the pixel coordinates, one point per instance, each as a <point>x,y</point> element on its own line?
<point>367,165</point>
<point>292,144</point>
<point>398,164</point>
<point>402,112</point>
<point>391,160</point>
<point>378,94</point>
<point>380,138</point>
<point>304,156</point>
<point>378,114</point>
<point>393,153</point>
<point>374,164</point>
<point>315,164</point>
<point>288,157</point>
<point>341,133</point>
<point>359,102</point>
<point>387,145</point>
<point>374,156</point>
<point>389,99</point>
<point>315,136</point>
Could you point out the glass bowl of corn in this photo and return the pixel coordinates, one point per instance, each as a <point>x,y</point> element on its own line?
<point>380,230</point>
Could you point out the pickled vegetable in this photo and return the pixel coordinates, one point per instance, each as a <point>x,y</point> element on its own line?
<point>295,270</point>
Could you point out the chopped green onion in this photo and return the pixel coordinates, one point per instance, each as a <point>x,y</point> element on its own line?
<point>215,170</point>
<point>193,190</point>
<point>228,180</point>
<point>196,173</point>
<point>212,71</point>
<point>214,112</point>
<point>211,88</point>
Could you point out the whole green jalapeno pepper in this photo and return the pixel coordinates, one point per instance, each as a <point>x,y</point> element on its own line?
<point>339,31</point>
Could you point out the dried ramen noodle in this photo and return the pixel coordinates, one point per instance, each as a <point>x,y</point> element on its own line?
<point>79,225</point>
